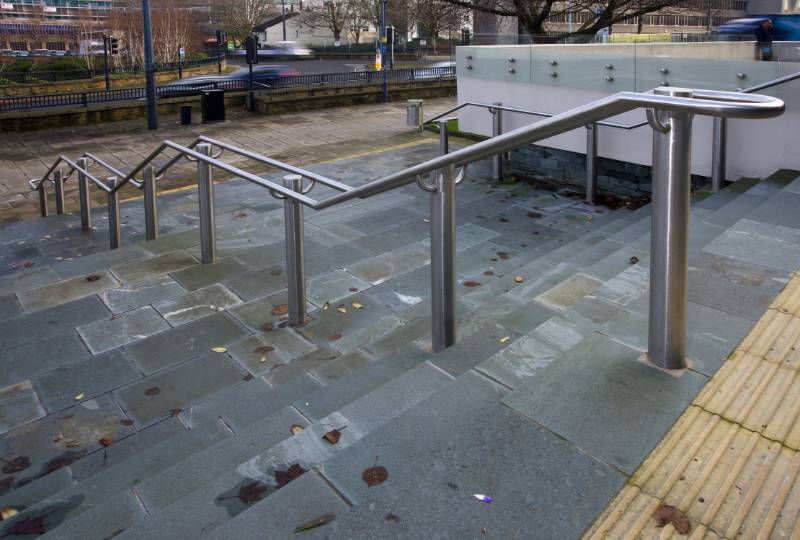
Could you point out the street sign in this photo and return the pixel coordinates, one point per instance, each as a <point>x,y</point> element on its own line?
<point>182,52</point>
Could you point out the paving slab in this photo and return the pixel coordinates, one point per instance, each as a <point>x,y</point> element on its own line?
<point>39,357</point>
<point>341,318</point>
<point>260,353</point>
<point>27,279</point>
<point>104,335</point>
<point>92,377</point>
<point>19,405</point>
<point>300,502</point>
<point>184,342</point>
<point>65,291</point>
<point>142,293</point>
<point>281,371</point>
<point>336,369</point>
<point>178,387</point>
<point>33,492</point>
<point>602,399</point>
<point>334,286</point>
<point>153,267</point>
<point>552,489</point>
<point>258,284</point>
<point>80,426</point>
<point>382,267</point>
<point>9,307</point>
<point>102,259</point>
<point>770,245</point>
<point>196,277</point>
<point>196,304</point>
<point>58,320</point>
<point>569,291</point>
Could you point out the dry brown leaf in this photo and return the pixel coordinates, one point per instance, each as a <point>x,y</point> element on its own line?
<point>333,435</point>
<point>93,277</point>
<point>264,349</point>
<point>634,259</point>
<point>152,391</point>
<point>57,438</point>
<point>504,339</point>
<point>519,279</point>
<point>316,522</point>
<point>17,464</point>
<point>8,512</point>
<point>471,284</point>
<point>488,273</point>
<point>219,349</point>
<point>292,473</point>
<point>72,444</point>
<point>296,428</point>
<point>326,306</point>
<point>79,396</point>
<point>669,514</point>
<point>357,305</point>
<point>341,309</point>
<point>375,476</point>
<point>335,336</point>
<point>253,492</point>
<point>281,309</point>
<point>353,289</point>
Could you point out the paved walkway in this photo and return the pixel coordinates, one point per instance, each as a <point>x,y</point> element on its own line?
<point>299,138</point>
<point>729,466</point>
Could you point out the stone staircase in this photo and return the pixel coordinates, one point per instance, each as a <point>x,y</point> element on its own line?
<point>161,398</point>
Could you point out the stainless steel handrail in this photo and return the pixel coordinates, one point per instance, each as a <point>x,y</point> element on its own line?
<point>669,112</point>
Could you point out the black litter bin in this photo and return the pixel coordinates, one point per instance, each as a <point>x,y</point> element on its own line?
<point>213,105</point>
<point>186,115</point>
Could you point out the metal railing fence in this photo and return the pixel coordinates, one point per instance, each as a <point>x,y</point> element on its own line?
<point>669,113</point>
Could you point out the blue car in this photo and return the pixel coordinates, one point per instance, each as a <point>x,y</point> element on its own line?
<point>785,27</point>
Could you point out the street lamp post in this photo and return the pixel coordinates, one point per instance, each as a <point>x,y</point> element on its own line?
<point>149,70</point>
<point>383,51</point>
<point>283,8</point>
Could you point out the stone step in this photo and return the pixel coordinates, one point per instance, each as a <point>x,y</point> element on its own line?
<point>100,487</point>
<point>221,499</point>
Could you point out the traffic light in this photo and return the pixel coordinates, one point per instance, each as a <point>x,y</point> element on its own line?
<point>251,46</point>
<point>113,45</point>
<point>222,37</point>
<point>389,35</point>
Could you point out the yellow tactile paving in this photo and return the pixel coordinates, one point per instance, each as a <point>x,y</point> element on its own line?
<point>731,462</point>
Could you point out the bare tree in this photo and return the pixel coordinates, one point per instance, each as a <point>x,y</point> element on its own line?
<point>238,17</point>
<point>435,17</point>
<point>534,14</point>
<point>360,17</point>
<point>332,14</point>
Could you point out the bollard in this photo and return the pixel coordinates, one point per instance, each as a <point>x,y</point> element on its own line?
<point>114,231</point>
<point>497,129</point>
<point>719,153</point>
<point>295,258</point>
<point>150,207</point>
<point>444,143</point>
<point>669,262</point>
<point>58,187</point>
<point>83,194</point>
<point>591,163</point>
<point>205,195</point>
<point>443,257</point>
<point>44,210</point>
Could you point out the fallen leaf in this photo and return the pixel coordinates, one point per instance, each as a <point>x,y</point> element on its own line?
<point>263,350</point>
<point>72,444</point>
<point>471,284</point>
<point>357,305</point>
<point>219,349</point>
<point>253,492</point>
<point>483,530</point>
<point>64,460</point>
<point>353,289</point>
<point>292,473</point>
<point>263,359</point>
<point>79,397</point>
<point>519,279</point>
<point>248,377</point>
<point>276,272</point>
<point>126,422</point>
<point>93,277</point>
<point>296,428</point>
<point>152,391</point>
<point>28,264</point>
<point>503,255</point>
<point>341,309</point>
<point>175,412</point>
<point>669,514</point>
<point>334,337</point>
<point>28,525</point>
<point>281,309</point>
<point>57,438</point>
<point>488,273</point>
<point>333,435</point>
<point>6,483</point>
<point>503,220</point>
<point>8,512</point>
<point>391,518</point>
<point>534,215</point>
<point>634,259</point>
<point>19,463</point>
<point>375,476</point>
<point>316,522</point>
<point>267,327</point>
<point>106,441</point>
<point>504,339</point>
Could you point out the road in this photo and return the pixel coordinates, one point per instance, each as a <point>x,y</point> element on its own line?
<point>313,67</point>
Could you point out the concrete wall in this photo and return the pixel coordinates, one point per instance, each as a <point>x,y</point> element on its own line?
<point>756,147</point>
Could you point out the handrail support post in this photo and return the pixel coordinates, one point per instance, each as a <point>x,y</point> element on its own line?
<point>719,153</point>
<point>83,194</point>
<point>497,129</point>
<point>205,195</point>
<point>669,261</point>
<point>443,256</point>
<point>44,209</point>
<point>58,186</point>
<point>295,257</point>
<point>114,230</point>
<point>150,206</point>
<point>444,143</point>
<point>591,163</point>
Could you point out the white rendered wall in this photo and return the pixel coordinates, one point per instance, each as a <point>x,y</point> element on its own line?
<point>756,148</point>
